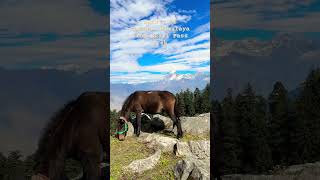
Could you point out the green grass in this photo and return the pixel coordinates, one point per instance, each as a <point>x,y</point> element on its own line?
<point>189,137</point>
<point>163,170</point>
<point>124,152</point>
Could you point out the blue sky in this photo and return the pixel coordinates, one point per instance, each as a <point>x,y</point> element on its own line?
<point>136,60</point>
<point>68,35</point>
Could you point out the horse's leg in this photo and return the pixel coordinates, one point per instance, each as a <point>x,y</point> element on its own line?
<point>91,167</point>
<point>138,123</point>
<point>56,168</point>
<point>176,121</point>
<point>135,127</point>
<point>179,129</point>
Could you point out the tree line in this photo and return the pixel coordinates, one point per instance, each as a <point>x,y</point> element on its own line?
<point>15,166</point>
<point>193,103</point>
<point>254,134</point>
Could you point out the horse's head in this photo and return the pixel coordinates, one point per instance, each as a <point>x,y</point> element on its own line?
<point>122,128</point>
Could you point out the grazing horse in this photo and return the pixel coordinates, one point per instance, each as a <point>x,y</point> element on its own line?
<point>79,131</point>
<point>149,102</point>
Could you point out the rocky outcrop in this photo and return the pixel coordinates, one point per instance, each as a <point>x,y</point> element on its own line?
<point>139,166</point>
<point>195,155</point>
<point>309,171</point>
<point>192,168</point>
<point>160,123</point>
<point>202,122</point>
<point>196,162</point>
<point>156,141</point>
<point>130,129</point>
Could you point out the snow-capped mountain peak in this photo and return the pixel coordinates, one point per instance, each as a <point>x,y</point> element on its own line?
<point>176,77</point>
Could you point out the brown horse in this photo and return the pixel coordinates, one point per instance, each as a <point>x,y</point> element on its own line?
<point>149,102</point>
<point>79,131</point>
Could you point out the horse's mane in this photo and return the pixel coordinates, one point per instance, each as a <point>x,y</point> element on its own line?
<point>127,103</point>
<point>48,142</point>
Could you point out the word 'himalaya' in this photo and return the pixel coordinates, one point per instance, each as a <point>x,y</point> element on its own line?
<point>163,28</point>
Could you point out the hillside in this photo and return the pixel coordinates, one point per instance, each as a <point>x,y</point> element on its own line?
<point>159,155</point>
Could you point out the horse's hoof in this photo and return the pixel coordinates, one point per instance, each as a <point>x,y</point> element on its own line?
<point>179,136</point>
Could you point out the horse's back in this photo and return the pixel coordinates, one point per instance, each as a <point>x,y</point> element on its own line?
<point>90,118</point>
<point>154,93</point>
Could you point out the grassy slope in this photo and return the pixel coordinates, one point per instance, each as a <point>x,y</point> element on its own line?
<point>124,152</point>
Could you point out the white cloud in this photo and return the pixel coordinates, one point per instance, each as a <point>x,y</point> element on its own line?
<point>59,16</point>
<point>180,55</point>
<point>136,77</point>
<point>202,28</point>
<point>266,14</point>
<point>24,27</point>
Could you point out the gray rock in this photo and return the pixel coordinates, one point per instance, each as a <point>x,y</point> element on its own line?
<point>202,122</point>
<point>308,171</point>
<point>256,177</point>
<point>192,168</point>
<point>196,164</point>
<point>182,149</point>
<point>139,166</point>
<point>199,149</point>
<point>159,123</point>
<point>156,141</point>
<point>167,122</point>
<point>130,131</point>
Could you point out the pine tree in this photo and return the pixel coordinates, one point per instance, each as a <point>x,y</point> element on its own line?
<point>181,103</point>
<point>251,114</point>
<point>308,117</point>
<point>2,165</point>
<point>197,101</point>
<point>14,165</point>
<point>229,136</point>
<point>189,103</point>
<point>206,99</point>
<point>217,142</point>
<point>278,123</point>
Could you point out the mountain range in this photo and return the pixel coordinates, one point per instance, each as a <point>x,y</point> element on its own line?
<point>287,58</point>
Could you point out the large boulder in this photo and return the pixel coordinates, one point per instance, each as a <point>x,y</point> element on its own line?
<point>130,131</point>
<point>192,168</point>
<point>156,141</point>
<point>141,165</point>
<point>158,122</point>
<point>199,149</point>
<point>196,162</point>
<point>202,122</point>
<point>308,171</point>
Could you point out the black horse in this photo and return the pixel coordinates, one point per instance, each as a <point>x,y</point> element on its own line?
<point>149,102</point>
<point>79,131</point>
